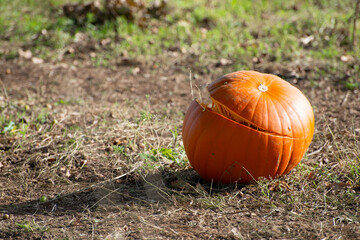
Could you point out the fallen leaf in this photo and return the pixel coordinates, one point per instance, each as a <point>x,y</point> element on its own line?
<point>346,58</point>
<point>120,141</point>
<point>158,8</point>
<point>223,62</point>
<point>25,54</point>
<point>105,41</point>
<point>51,159</point>
<point>179,185</point>
<point>129,62</point>
<point>36,60</point>
<point>279,186</point>
<point>257,60</point>
<point>135,71</point>
<point>338,186</point>
<point>306,40</point>
<point>311,176</point>
<point>67,173</point>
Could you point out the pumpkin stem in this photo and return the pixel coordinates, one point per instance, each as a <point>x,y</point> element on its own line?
<point>262,88</point>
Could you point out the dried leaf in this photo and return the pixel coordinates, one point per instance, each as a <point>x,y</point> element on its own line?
<point>178,184</point>
<point>80,12</point>
<point>346,58</point>
<point>67,173</point>
<point>25,54</point>
<point>158,8</point>
<point>135,71</point>
<point>223,62</point>
<point>311,176</point>
<point>120,141</point>
<point>36,60</point>
<point>306,40</point>
<point>338,186</point>
<point>51,159</point>
<point>280,186</point>
<point>97,13</point>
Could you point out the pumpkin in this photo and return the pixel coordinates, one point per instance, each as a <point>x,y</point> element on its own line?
<point>257,126</point>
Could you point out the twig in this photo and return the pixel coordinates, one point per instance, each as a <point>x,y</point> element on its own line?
<point>156,227</point>
<point>316,151</point>
<point>191,87</point>
<point>345,98</point>
<point>115,178</point>
<point>106,181</point>
<point>357,9</point>
<point>4,89</point>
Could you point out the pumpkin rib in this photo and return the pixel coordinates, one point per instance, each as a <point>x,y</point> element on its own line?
<point>199,137</point>
<point>262,160</point>
<point>244,171</point>
<point>204,137</point>
<point>282,167</point>
<point>191,148</point>
<point>227,158</point>
<point>227,164</point>
<point>213,146</point>
<point>285,113</point>
<point>265,104</point>
<point>246,105</point>
<point>261,108</point>
<point>201,140</point>
<point>234,170</point>
<point>228,113</point>
<point>254,111</point>
<point>298,118</point>
<point>187,128</point>
<point>279,159</point>
<point>291,157</point>
<point>265,132</point>
<point>279,123</point>
<point>229,85</point>
<point>289,163</point>
<point>282,140</point>
<point>244,122</point>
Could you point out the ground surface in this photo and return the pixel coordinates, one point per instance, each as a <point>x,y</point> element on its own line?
<point>101,107</point>
<point>95,152</point>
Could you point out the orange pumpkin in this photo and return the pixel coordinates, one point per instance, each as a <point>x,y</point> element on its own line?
<point>257,125</point>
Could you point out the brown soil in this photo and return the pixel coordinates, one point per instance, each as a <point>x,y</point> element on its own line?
<point>107,199</point>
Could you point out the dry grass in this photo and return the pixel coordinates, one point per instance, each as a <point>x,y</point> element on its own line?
<point>118,169</point>
<point>90,139</point>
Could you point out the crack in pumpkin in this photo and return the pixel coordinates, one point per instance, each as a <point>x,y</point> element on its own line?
<point>226,112</point>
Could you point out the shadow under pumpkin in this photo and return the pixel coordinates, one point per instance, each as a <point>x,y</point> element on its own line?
<point>158,187</point>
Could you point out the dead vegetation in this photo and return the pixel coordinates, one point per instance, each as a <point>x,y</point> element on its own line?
<point>90,151</point>
<point>94,151</point>
<point>97,12</point>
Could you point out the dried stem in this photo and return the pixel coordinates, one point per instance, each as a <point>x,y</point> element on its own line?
<point>357,9</point>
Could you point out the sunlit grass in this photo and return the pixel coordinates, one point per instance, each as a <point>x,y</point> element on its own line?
<point>238,30</point>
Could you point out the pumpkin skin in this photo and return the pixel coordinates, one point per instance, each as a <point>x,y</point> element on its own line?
<point>258,125</point>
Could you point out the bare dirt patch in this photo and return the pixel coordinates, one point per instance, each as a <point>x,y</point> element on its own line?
<point>87,127</point>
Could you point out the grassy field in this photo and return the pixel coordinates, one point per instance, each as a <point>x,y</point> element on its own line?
<point>92,111</point>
